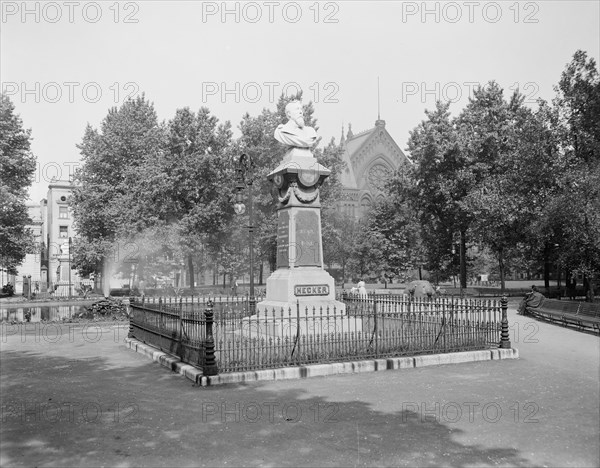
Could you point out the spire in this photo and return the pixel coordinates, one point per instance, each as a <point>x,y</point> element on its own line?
<point>342,138</point>
<point>379,122</point>
<point>378,116</point>
<point>350,134</point>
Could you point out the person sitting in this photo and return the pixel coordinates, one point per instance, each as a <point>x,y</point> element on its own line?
<point>533,299</point>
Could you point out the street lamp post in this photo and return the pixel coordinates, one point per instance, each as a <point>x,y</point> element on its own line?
<point>460,259</point>
<point>70,246</point>
<point>245,176</point>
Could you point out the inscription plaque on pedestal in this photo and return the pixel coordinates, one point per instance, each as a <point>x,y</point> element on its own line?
<point>308,240</point>
<point>311,290</point>
<point>283,240</point>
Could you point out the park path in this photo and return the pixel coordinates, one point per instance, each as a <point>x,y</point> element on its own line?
<point>79,397</point>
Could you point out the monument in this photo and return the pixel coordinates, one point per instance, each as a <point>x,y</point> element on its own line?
<point>300,276</point>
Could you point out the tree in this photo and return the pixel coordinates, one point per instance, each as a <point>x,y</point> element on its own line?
<point>366,255</point>
<point>340,234</point>
<point>578,105</point>
<point>17,167</point>
<point>521,183</point>
<point>437,187</point>
<point>185,186</point>
<point>494,133</point>
<point>105,207</point>
<point>338,230</point>
<point>331,190</point>
<point>572,214</point>
<point>158,188</point>
<point>533,172</point>
<point>574,218</point>
<point>395,232</point>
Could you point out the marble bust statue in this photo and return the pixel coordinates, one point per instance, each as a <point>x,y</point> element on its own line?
<point>294,133</point>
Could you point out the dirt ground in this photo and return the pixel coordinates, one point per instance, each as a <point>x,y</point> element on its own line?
<point>74,395</point>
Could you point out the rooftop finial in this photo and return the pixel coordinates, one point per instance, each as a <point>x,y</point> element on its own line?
<point>379,122</point>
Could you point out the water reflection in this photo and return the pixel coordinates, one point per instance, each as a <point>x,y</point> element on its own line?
<point>41,313</point>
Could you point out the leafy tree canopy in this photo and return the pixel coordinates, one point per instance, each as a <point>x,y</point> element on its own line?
<point>17,168</point>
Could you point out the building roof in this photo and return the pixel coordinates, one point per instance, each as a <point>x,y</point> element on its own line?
<point>363,152</point>
<point>354,144</point>
<point>55,183</point>
<point>347,178</point>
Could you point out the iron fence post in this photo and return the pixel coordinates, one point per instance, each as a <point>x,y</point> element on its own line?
<point>375,331</point>
<point>444,328</point>
<point>298,325</point>
<point>130,333</point>
<point>210,362</point>
<point>504,336</point>
<point>180,326</point>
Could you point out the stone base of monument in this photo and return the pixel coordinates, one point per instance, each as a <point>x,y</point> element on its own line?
<point>311,287</point>
<point>302,300</point>
<point>309,326</point>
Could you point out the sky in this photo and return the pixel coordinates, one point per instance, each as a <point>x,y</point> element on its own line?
<point>65,64</point>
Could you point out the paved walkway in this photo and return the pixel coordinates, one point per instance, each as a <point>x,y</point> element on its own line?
<point>81,398</point>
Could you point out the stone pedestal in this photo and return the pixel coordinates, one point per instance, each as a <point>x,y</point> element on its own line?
<point>311,287</point>
<point>300,277</point>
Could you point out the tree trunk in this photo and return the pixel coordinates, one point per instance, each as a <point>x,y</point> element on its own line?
<point>501,268</point>
<point>463,259</point>
<point>570,284</point>
<point>260,273</point>
<point>547,267</point>
<point>190,263</point>
<point>586,288</point>
<point>592,293</point>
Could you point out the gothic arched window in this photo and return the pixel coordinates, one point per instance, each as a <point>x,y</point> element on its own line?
<point>378,175</point>
<point>365,206</point>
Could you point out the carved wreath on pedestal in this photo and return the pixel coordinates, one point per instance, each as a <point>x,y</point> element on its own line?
<point>298,185</point>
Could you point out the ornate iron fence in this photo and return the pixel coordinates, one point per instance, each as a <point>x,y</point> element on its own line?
<point>38,289</point>
<point>373,327</point>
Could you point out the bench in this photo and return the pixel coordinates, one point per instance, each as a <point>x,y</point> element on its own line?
<point>580,314</point>
<point>591,312</point>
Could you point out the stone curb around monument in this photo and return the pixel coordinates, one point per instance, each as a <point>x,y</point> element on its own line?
<point>317,370</point>
<point>165,360</point>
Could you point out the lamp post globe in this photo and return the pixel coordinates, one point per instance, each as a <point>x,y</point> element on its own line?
<point>239,208</point>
